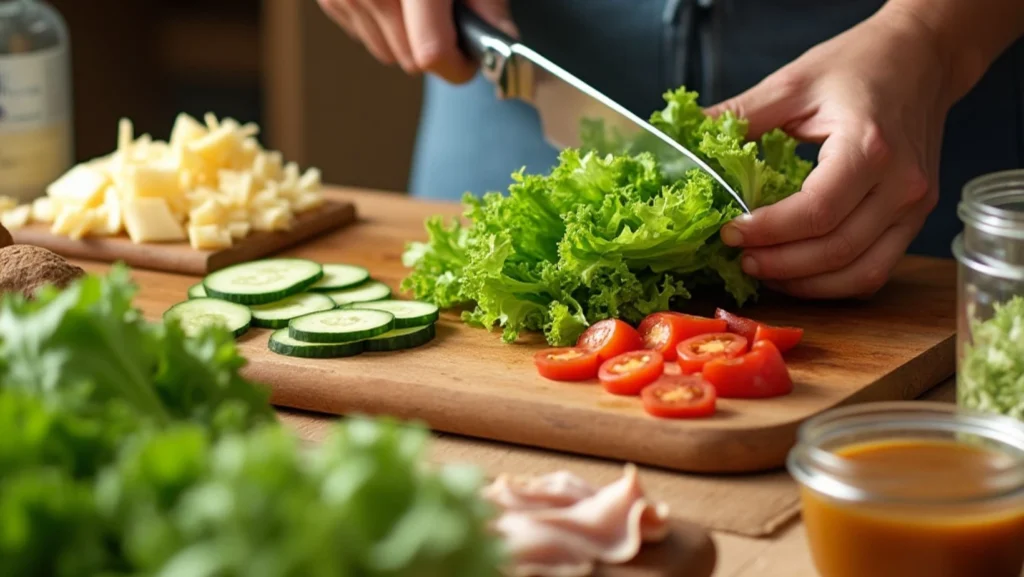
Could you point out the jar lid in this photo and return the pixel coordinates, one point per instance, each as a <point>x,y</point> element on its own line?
<point>994,203</point>
<point>986,266</point>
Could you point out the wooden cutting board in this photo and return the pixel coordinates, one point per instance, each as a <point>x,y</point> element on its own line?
<point>894,346</point>
<point>181,258</point>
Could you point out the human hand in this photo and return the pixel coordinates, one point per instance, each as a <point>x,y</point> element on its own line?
<point>876,98</point>
<point>419,35</point>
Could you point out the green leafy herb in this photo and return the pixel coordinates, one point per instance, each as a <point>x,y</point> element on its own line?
<point>609,232</point>
<point>991,373</point>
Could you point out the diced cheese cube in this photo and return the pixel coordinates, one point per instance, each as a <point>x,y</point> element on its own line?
<point>216,147</point>
<point>208,237</point>
<point>274,218</point>
<point>274,161</point>
<point>152,180</point>
<point>310,181</point>
<point>186,130</point>
<point>125,136</point>
<point>7,203</point>
<point>210,212</point>
<point>73,222</point>
<point>42,209</point>
<point>307,201</point>
<point>239,229</point>
<point>16,217</point>
<point>249,130</point>
<point>211,121</point>
<point>237,185</point>
<point>245,155</point>
<point>291,174</point>
<point>107,220</point>
<point>149,219</point>
<point>83,186</point>
<point>239,213</point>
<point>267,197</point>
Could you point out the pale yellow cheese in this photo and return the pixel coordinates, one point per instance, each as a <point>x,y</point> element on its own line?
<point>107,220</point>
<point>271,219</point>
<point>186,130</point>
<point>210,212</point>
<point>306,201</point>
<point>149,219</point>
<point>310,181</point>
<point>42,209</point>
<point>73,222</point>
<point>150,180</point>
<point>208,237</point>
<point>215,148</point>
<point>7,203</point>
<point>239,228</point>
<point>17,217</point>
<point>82,186</point>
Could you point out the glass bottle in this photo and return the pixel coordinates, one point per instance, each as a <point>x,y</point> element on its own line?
<point>35,98</point>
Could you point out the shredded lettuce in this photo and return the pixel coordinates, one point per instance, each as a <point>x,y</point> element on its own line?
<point>609,232</point>
<point>991,374</point>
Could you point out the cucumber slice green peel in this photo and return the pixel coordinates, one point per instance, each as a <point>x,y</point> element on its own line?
<point>196,314</point>
<point>283,344</point>
<point>408,314</point>
<point>339,276</point>
<point>276,315</point>
<point>401,339</point>
<point>366,292</point>
<point>262,281</point>
<point>340,326</point>
<point>196,291</point>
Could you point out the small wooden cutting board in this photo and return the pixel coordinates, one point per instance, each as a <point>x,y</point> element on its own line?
<point>181,258</point>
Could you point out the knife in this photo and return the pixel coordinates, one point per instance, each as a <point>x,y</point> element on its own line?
<point>562,100</point>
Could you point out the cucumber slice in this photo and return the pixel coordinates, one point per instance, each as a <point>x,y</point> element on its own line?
<point>340,276</point>
<point>283,344</point>
<point>399,339</point>
<point>262,281</point>
<point>196,291</point>
<point>277,314</point>
<point>196,314</point>
<point>407,314</point>
<point>366,292</point>
<point>340,326</point>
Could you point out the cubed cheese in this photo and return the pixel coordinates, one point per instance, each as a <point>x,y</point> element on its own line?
<point>16,217</point>
<point>73,222</point>
<point>186,130</point>
<point>237,185</point>
<point>82,186</point>
<point>149,219</point>
<point>307,201</point>
<point>216,147</point>
<point>210,212</point>
<point>42,209</point>
<point>107,220</point>
<point>7,203</point>
<point>310,181</point>
<point>275,218</point>
<point>152,180</point>
<point>239,229</point>
<point>208,237</point>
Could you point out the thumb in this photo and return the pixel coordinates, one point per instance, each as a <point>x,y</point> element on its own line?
<point>772,103</point>
<point>496,13</point>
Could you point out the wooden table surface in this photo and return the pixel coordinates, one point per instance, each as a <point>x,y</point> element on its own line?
<point>784,554</point>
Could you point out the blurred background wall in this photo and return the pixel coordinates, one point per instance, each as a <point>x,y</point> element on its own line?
<point>317,95</point>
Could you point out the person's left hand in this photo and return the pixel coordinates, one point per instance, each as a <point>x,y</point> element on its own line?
<point>876,98</point>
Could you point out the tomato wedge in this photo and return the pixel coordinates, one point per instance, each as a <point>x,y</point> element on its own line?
<point>629,373</point>
<point>609,338</point>
<point>679,397</point>
<point>663,331</point>
<point>737,324</point>
<point>784,338</point>
<point>695,352</point>
<point>758,374</point>
<point>567,364</point>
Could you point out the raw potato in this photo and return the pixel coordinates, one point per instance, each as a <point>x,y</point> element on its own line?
<point>211,183</point>
<point>25,268</point>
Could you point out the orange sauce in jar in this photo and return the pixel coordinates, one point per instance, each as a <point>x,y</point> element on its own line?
<point>912,493</point>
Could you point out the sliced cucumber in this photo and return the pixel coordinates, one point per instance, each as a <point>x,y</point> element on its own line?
<point>196,314</point>
<point>283,344</point>
<point>196,291</point>
<point>340,276</point>
<point>399,339</point>
<point>340,326</point>
<point>277,314</point>
<point>262,281</point>
<point>366,292</point>
<point>407,314</point>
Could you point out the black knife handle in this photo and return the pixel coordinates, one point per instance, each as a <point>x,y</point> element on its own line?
<point>473,29</point>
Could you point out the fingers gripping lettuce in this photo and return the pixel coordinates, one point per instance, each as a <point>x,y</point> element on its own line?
<point>606,233</point>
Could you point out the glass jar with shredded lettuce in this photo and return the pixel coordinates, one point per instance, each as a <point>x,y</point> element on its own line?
<point>990,252</point>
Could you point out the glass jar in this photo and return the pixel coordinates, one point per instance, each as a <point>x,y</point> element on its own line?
<point>912,489</point>
<point>990,331</point>
<point>35,98</point>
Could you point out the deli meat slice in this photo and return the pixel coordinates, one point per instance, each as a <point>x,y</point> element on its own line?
<point>557,525</point>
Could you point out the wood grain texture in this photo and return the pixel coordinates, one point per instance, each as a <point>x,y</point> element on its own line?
<point>181,258</point>
<point>895,346</point>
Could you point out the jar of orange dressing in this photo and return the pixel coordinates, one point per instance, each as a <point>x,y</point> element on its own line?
<point>912,489</point>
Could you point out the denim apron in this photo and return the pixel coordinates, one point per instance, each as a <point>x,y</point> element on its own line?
<point>634,50</point>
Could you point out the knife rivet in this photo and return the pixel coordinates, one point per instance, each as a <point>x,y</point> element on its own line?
<point>489,60</point>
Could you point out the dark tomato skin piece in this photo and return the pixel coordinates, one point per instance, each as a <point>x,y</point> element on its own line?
<point>784,338</point>
<point>737,324</point>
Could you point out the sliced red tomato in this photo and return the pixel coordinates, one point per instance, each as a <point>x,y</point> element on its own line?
<point>694,352</point>
<point>784,338</point>
<point>663,331</point>
<point>609,338</point>
<point>758,374</point>
<point>679,397</point>
<point>629,373</point>
<point>567,364</point>
<point>737,324</point>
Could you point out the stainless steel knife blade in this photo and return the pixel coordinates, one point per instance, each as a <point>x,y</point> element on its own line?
<point>563,101</point>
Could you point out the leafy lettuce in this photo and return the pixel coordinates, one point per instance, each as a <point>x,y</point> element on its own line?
<point>609,232</point>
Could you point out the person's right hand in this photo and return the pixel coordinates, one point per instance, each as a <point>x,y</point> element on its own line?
<point>417,34</point>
